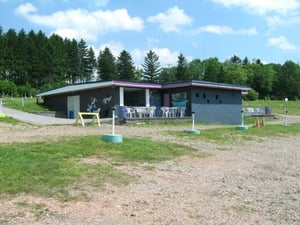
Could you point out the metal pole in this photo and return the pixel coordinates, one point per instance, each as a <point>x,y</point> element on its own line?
<point>242,117</point>
<point>193,119</point>
<point>286,113</point>
<point>113,121</point>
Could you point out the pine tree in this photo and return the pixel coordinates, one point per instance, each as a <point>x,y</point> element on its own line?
<point>10,55</point>
<point>106,65</point>
<point>72,61</point>
<point>125,66</point>
<point>83,61</point>
<point>151,67</point>
<point>58,59</point>
<point>2,54</point>
<point>181,70</point>
<point>91,64</point>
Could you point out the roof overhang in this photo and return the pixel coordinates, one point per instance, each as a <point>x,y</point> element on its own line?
<point>75,88</point>
<point>136,84</point>
<point>206,84</point>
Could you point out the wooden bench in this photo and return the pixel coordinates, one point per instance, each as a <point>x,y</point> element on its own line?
<point>81,114</point>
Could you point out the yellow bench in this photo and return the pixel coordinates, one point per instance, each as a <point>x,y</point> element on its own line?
<point>81,114</point>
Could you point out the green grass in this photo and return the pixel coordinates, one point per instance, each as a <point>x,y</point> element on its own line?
<point>278,107</point>
<point>27,105</point>
<point>51,168</point>
<point>8,119</point>
<point>228,135</point>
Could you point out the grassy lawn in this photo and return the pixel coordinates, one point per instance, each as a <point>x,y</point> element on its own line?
<point>8,119</point>
<point>27,105</point>
<point>51,168</point>
<point>228,135</point>
<point>278,107</point>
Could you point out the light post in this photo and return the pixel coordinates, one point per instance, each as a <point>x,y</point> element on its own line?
<point>286,115</point>
<point>113,138</point>
<point>286,112</point>
<point>113,120</point>
<point>242,126</point>
<point>193,120</point>
<point>193,131</point>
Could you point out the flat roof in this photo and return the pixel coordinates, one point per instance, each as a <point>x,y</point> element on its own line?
<point>207,84</point>
<point>131,84</point>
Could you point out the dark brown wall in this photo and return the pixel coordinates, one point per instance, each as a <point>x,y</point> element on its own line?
<point>102,95</point>
<point>59,102</point>
<point>56,102</point>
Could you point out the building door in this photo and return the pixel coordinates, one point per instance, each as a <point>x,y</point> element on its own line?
<point>166,99</point>
<point>73,106</point>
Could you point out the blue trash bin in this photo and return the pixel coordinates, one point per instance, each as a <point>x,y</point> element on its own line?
<point>71,114</point>
<point>268,111</point>
<point>122,112</point>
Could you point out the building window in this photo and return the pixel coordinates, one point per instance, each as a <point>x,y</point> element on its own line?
<point>204,96</point>
<point>179,99</point>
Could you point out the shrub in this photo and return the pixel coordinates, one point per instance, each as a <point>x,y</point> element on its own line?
<point>251,96</point>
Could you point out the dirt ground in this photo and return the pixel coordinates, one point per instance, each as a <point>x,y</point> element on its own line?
<point>258,183</point>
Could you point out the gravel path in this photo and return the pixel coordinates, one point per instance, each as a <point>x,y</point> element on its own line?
<point>258,183</point>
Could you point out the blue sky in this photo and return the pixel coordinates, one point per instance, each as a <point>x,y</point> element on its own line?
<point>259,29</point>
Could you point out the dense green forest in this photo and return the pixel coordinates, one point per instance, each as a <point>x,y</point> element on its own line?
<point>32,62</point>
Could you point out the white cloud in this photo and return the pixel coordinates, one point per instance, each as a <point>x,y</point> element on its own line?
<point>275,21</point>
<point>25,9</point>
<point>263,6</point>
<point>138,57</point>
<point>152,42</point>
<point>171,20</point>
<point>225,30</point>
<point>166,56</point>
<point>278,20</point>
<point>81,23</point>
<point>281,42</point>
<point>114,47</point>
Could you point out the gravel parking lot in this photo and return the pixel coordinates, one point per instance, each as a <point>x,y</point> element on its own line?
<point>257,183</point>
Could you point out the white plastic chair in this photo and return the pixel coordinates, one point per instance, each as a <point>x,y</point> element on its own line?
<point>182,111</point>
<point>165,111</point>
<point>130,112</point>
<point>152,111</point>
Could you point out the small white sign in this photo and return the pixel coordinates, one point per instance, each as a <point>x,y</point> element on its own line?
<point>286,99</point>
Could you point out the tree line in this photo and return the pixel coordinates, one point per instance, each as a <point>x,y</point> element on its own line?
<point>31,62</point>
